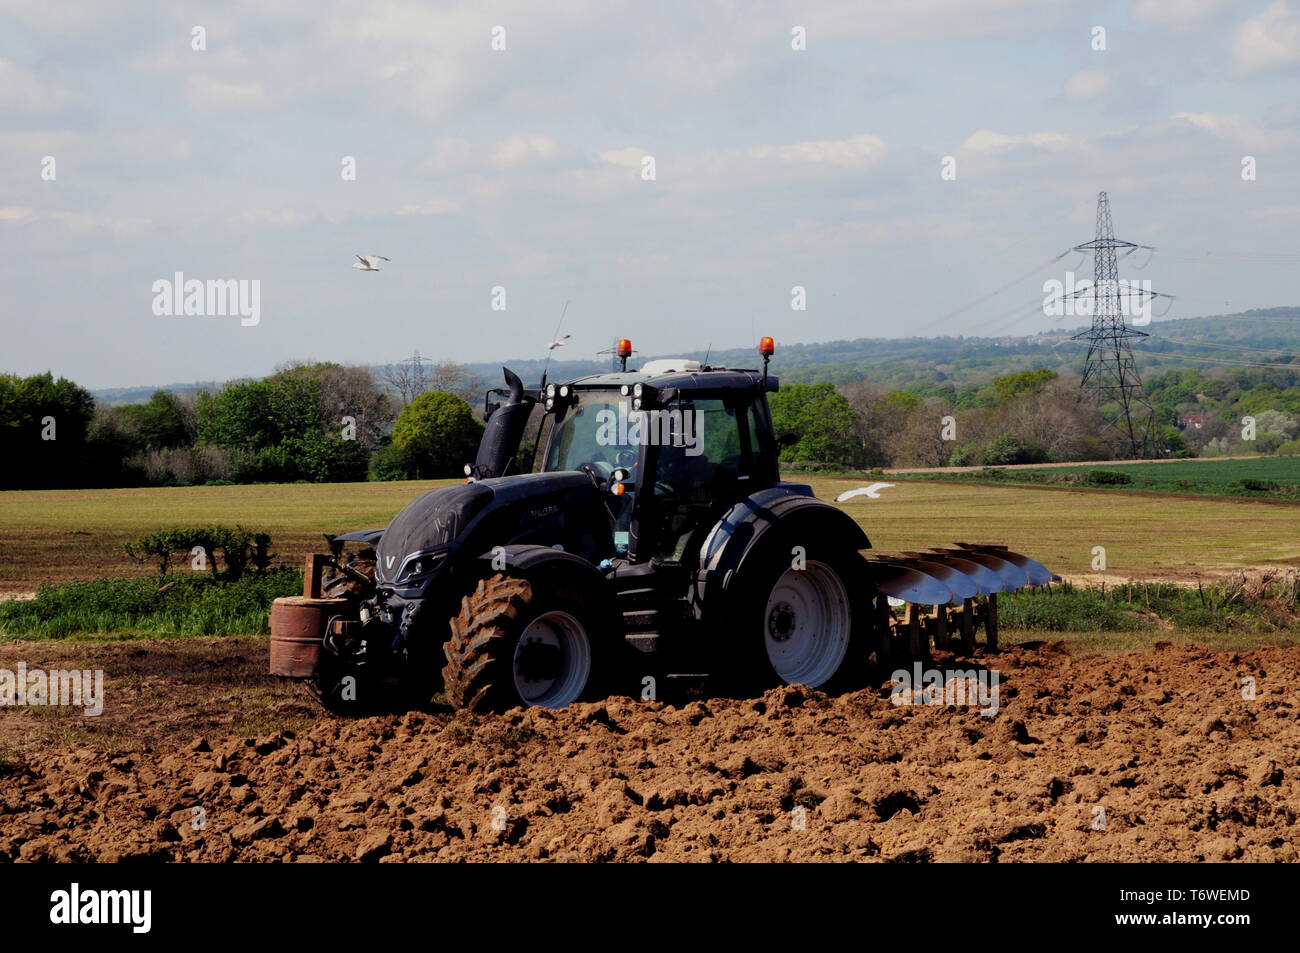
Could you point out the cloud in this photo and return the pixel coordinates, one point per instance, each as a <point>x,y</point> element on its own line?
<point>76,221</point>
<point>450,154</point>
<point>1239,130</point>
<point>1086,85</point>
<point>21,91</point>
<point>758,164</point>
<point>273,217</point>
<point>629,157</point>
<point>214,96</point>
<point>1268,41</point>
<point>855,152</point>
<point>431,207</point>
<point>1178,14</point>
<point>522,150</point>
<point>986,140</point>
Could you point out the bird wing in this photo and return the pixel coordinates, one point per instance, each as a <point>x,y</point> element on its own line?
<point>381,257</point>
<point>877,487</point>
<point>849,494</point>
<point>362,259</point>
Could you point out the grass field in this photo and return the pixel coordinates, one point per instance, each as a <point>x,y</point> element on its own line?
<point>1250,478</point>
<point>60,535</point>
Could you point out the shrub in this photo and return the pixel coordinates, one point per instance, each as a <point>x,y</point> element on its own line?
<point>1108,477</point>
<point>1258,486</point>
<point>239,547</point>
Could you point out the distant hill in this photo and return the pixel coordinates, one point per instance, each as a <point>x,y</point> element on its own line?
<point>1267,335</point>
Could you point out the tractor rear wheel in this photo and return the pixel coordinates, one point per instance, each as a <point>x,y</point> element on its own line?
<point>522,641</point>
<point>804,623</point>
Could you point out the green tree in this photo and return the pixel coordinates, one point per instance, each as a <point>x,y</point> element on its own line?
<point>1022,383</point>
<point>435,436</point>
<point>822,418</point>
<point>43,427</point>
<point>1009,448</point>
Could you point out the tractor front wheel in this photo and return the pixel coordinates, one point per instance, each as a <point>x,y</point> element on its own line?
<point>523,642</point>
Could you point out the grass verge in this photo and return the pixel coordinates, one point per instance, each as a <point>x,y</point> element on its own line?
<point>183,604</point>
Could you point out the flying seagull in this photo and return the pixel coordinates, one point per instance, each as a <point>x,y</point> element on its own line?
<point>558,342</point>
<point>368,262</point>
<point>871,492</point>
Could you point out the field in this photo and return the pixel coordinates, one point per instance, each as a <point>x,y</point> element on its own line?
<point>1149,725</point>
<point>199,755</point>
<point>1250,477</point>
<point>59,535</point>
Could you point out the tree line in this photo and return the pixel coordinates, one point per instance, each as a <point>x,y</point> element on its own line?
<point>1032,416</point>
<point>320,422</point>
<point>326,422</point>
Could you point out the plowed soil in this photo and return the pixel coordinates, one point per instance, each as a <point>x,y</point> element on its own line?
<point>198,756</point>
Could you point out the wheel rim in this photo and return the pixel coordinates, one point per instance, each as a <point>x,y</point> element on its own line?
<point>552,660</point>
<point>806,625</point>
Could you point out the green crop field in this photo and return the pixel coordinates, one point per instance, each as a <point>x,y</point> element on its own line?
<point>1251,478</point>
<point>59,535</point>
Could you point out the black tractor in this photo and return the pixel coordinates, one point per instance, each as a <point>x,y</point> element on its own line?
<point>656,541</point>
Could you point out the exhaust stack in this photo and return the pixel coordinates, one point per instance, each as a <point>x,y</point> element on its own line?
<point>504,431</point>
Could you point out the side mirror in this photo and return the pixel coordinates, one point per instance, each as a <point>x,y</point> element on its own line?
<point>788,439</point>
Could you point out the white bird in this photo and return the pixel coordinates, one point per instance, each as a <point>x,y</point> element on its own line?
<point>368,262</point>
<point>558,342</point>
<point>871,492</point>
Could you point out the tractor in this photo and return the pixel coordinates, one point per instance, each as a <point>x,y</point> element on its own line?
<point>655,541</point>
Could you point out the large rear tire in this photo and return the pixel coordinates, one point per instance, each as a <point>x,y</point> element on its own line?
<point>523,641</point>
<point>807,623</point>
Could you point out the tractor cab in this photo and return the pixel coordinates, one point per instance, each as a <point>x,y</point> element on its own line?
<point>674,445</point>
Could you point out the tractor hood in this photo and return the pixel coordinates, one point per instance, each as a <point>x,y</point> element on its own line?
<point>430,521</point>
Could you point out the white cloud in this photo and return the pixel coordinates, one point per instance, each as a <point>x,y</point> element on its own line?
<point>855,152</point>
<point>1176,13</point>
<point>1268,41</point>
<point>431,207</point>
<point>1086,85</point>
<point>211,95</point>
<point>19,214</point>
<point>20,90</point>
<point>273,217</point>
<point>450,154</point>
<point>1239,130</point>
<point>757,163</point>
<point>986,140</point>
<point>521,150</point>
<point>629,157</point>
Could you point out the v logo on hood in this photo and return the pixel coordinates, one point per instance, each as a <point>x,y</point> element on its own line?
<point>390,561</point>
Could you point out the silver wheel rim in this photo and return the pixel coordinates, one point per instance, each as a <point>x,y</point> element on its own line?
<point>806,625</point>
<point>552,661</point>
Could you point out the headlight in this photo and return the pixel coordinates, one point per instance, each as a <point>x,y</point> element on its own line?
<point>636,390</point>
<point>564,391</point>
<point>550,391</point>
<point>625,390</point>
<point>550,403</point>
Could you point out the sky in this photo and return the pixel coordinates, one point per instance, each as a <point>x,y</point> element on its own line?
<point>504,146</point>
